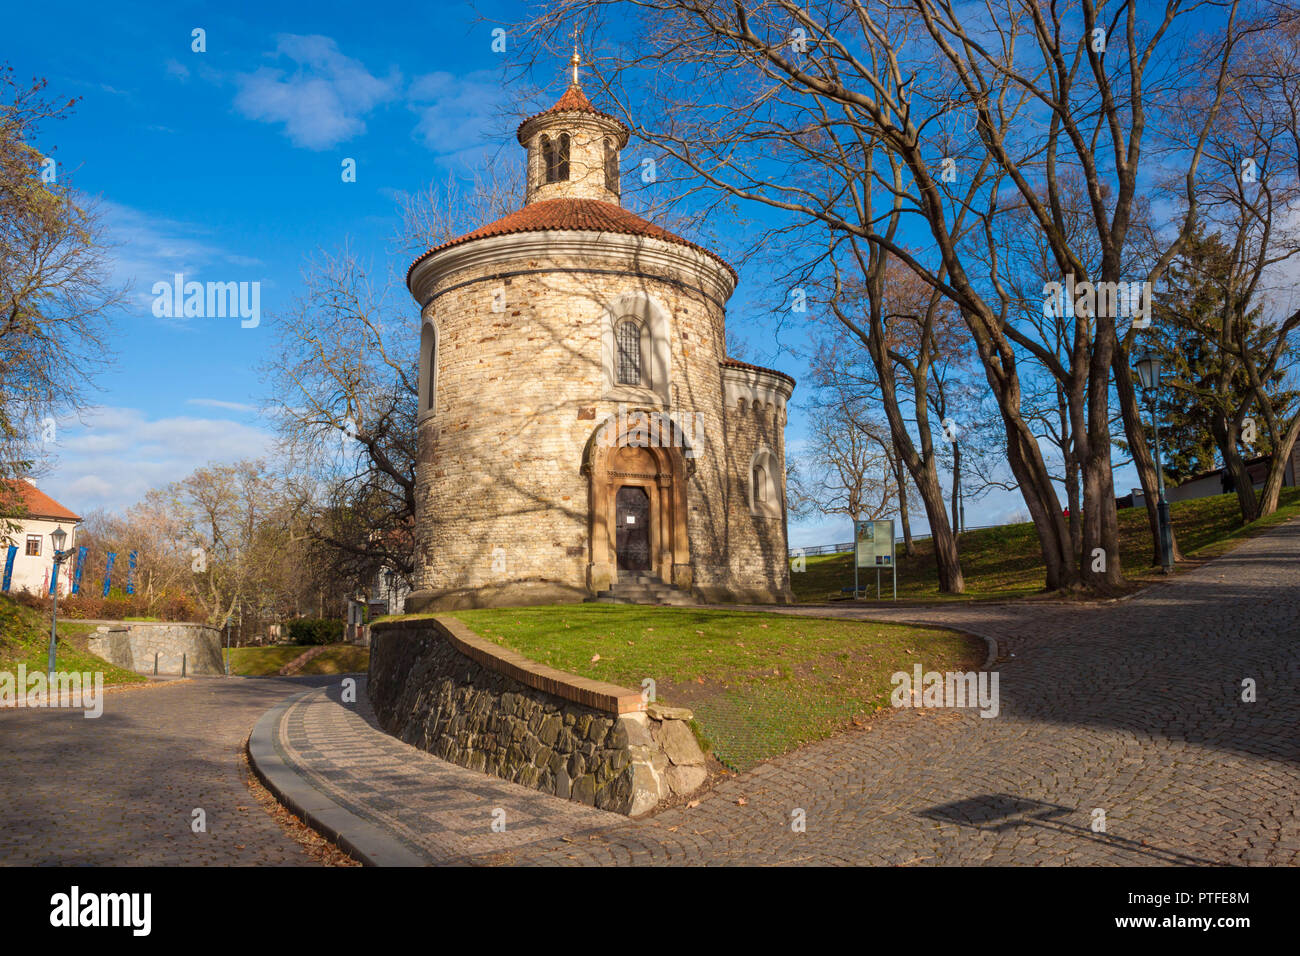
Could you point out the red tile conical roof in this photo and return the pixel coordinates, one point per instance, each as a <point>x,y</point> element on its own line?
<point>574,101</point>
<point>583,215</point>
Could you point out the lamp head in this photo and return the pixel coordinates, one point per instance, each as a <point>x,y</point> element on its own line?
<point>1148,369</point>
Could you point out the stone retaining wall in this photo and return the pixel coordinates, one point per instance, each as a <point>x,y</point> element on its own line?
<point>133,644</point>
<point>438,686</point>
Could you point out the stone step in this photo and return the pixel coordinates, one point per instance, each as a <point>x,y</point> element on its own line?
<point>642,589</point>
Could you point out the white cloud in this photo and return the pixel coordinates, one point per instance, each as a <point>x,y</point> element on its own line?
<point>148,249</point>
<point>456,113</point>
<point>323,101</point>
<point>115,455</point>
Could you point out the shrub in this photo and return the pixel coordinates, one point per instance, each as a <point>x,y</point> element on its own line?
<point>315,630</point>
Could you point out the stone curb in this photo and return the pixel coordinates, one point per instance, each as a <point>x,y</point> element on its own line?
<point>360,838</point>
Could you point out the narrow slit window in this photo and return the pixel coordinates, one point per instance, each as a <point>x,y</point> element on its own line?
<point>760,483</point>
<point>431,387</point>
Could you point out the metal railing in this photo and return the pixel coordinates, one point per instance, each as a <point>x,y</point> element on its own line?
<point>848,545</point>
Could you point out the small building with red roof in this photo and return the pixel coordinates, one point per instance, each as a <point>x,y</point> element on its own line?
<point>582,432</point>
<point>28,520</point>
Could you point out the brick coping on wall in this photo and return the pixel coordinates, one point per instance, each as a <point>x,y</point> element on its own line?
<point>102,620</point>
<point>596,694</point>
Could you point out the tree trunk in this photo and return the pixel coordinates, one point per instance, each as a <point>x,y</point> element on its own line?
<point>1100,519</point>
<point>1277,469</point>
<point>920,466</point>
<point>956,487</point>
<point>1026,462</point>
<point>1225,436</point>
<point>1131,412</point>
<point>900,478</point>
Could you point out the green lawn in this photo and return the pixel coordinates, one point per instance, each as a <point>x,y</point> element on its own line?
<point>25,639</point>
<point>267,661</point>
<point>760,684</point>
<point>1001,563</point>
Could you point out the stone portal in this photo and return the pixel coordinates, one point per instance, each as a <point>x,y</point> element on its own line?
<point>637,512</point>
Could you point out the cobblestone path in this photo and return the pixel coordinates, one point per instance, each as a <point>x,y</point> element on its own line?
<point>1128,713</point>
<point>121,789</point>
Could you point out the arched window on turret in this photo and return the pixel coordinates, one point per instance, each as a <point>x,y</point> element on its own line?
<point>555,158</point>
<point>766,483</point>
<point>611,166</point>
<point>628,340</point>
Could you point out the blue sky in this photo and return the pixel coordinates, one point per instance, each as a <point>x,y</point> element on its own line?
<point>224,165</point>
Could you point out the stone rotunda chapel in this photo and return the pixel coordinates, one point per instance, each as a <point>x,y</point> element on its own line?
<point>581,428</point>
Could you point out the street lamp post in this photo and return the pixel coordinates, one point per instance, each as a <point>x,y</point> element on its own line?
<point>59,538</point>
<point>1148,369</point>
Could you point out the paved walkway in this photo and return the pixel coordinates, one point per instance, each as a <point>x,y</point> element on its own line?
<point>1133,709</point>
<point>121,789</point>
<point>435,811</point>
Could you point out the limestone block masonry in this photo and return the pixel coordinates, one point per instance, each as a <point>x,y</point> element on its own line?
<point>134,644</point>
<point>559,342</point>
<point>437,685</point>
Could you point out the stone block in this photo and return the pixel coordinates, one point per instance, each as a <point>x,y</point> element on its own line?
<point>679,744</point>
<point>686,780</point>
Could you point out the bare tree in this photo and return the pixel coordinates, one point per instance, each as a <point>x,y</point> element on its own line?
<point>847,463</point>
<point>55,286</point>
<point>345,377</point>
<point>789,105</point>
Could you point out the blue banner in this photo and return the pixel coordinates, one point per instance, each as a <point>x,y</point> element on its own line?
<point>9,566</point>
<point>54,577</point>
<point>81,563</point>
<point>130,572</point>
<point>108,572</point>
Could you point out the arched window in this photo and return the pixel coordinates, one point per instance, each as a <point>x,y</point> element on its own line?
<point>765,484</point>
<point>548,159</point>
<point>562,162</point>
<point>611,166</point>
<point>635,363</point>
<point>555,158</point>
<point>628,340</point>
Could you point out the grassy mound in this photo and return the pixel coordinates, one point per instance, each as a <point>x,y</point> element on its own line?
<point>1006,562</point>
<point>25,639</point>
<point>760,684</point>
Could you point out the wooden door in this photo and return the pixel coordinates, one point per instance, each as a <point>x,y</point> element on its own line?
<point>632,537</point>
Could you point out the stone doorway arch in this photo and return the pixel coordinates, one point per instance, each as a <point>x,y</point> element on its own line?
<point>661,473</point>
